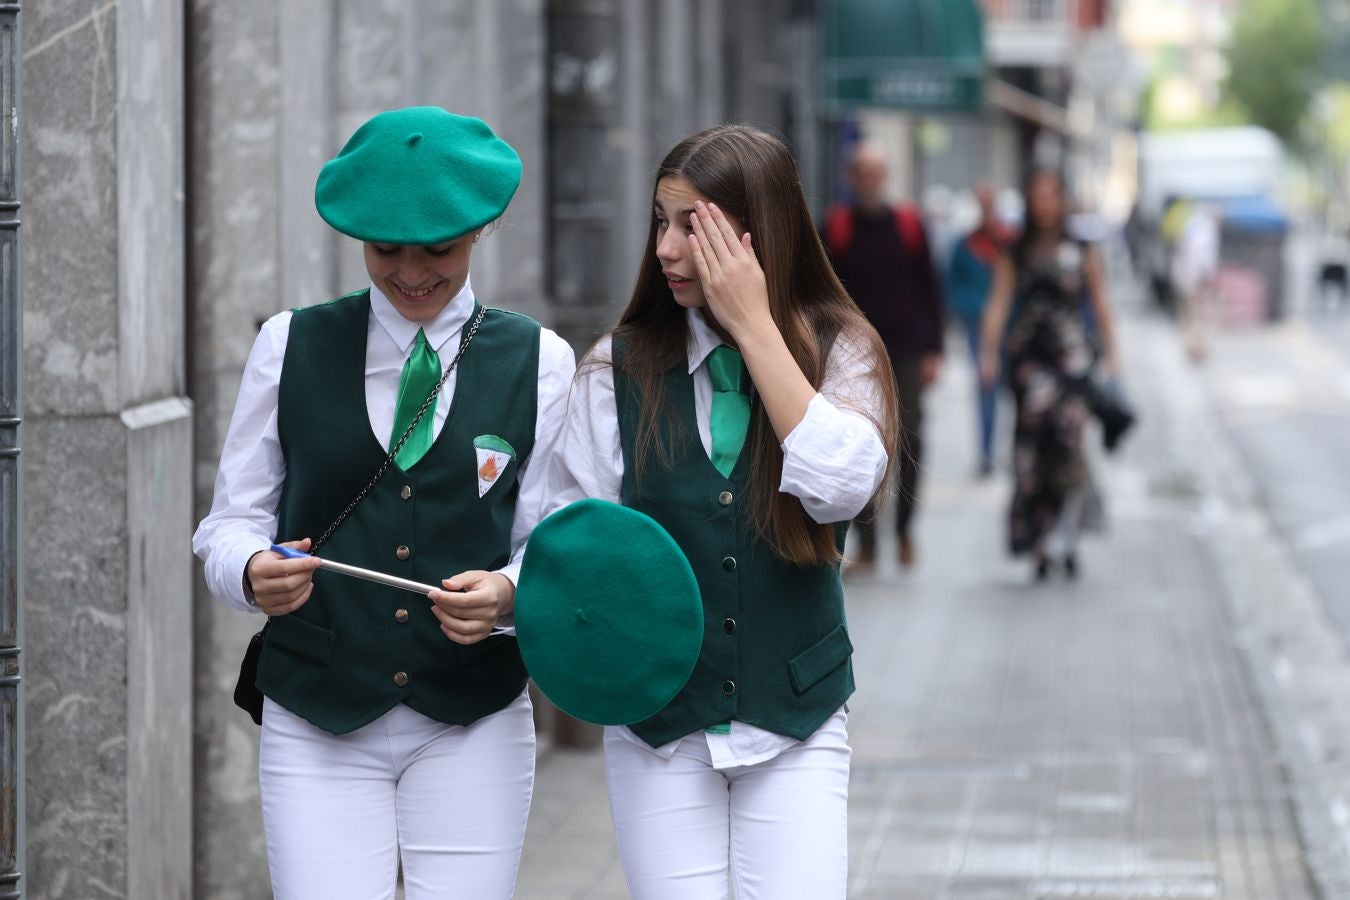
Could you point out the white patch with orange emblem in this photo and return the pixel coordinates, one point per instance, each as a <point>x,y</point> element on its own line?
<point>494,454</point>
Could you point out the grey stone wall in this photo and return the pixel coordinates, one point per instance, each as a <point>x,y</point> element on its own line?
<point>107,455</point>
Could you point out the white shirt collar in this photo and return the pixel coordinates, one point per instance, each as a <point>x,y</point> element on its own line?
<point>702,339</point>
<point>446,325</point>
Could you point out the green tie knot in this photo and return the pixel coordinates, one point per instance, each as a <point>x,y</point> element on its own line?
<point>726,368</point>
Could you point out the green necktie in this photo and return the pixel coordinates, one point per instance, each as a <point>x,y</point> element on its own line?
<point>728,422</point>
<point>420,374</point>
<point>730,418</point>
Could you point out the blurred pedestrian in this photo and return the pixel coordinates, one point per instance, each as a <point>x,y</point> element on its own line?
<point>1194,273</point>
<point>881,254</point>
<point>397,732</point>
<point>1035,321</point>
<point>745,404</point>
<point>969,278</point>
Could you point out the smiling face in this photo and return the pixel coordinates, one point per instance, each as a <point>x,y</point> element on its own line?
<point>675,198</point>
<point>419,281</point>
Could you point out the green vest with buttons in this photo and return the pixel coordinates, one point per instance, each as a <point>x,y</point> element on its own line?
<point>357,649</point>
<point>776,652</point>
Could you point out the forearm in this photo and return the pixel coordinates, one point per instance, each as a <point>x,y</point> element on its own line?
<point>996,309</point>
<point>991,327</point>
<point>1107,330</point>
<point>1101,307</point>
<point>782,387</point>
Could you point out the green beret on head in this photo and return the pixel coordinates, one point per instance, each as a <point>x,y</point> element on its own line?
<point>419,175</point>
<point>609,617</point>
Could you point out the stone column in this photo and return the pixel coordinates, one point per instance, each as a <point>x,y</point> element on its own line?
<point>107,457</point>
<point>238,189</point>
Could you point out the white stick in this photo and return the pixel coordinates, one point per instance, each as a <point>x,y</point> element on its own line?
<point>378,577</point>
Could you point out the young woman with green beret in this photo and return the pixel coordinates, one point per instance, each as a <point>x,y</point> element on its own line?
<point>744,403</point>
<point>396,730</point>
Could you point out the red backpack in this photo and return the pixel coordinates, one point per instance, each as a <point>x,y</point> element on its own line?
<point>839,228</point>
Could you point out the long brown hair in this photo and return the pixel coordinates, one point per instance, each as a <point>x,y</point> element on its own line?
<point>751,175</point>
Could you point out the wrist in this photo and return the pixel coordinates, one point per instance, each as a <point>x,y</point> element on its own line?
<point>249,597</point>
<point>506,595</point>
<point>757,332</point>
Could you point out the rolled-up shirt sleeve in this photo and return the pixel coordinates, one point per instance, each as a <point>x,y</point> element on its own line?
<point>243,515</point>
<point>835,459</point>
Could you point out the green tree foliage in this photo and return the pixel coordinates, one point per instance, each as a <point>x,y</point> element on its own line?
<point>1273,63</point>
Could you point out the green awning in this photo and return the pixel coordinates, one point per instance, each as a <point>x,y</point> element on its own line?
<point>909,54</point>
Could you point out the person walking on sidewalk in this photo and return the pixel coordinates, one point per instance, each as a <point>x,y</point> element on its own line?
<point>1039,284</point>
<point>1195,273</point>
<point>969,278</point>
<point>881,255</point>
<point>745,404</point>
<point>396,732</point>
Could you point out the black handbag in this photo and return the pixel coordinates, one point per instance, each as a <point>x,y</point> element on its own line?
<point>1107,401</point>
<point>246,694</point>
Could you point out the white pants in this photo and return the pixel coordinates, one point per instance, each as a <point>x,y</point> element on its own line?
<point>340,812</point>
<point>781,826</point>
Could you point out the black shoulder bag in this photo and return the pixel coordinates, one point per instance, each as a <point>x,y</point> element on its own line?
<point>246,694</point>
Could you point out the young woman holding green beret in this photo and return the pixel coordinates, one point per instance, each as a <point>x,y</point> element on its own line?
<point>745,404</point>
<point>396,730</point>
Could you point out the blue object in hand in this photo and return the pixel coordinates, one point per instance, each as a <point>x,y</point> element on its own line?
<point>289,552</point>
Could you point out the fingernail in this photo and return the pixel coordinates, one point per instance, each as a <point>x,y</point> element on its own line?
<point>712,206</point>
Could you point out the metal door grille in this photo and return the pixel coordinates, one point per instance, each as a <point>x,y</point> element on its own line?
<point>11,352</point>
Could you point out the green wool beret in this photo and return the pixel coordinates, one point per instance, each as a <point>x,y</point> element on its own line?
<point>419,175</point>
<point>609,618</point>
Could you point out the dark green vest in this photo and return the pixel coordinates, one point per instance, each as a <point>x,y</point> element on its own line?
<point>357,649</point>
<point>776,652</point>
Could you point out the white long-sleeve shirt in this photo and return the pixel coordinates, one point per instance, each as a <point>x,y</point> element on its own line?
<point>833,461</point>
<point>243,513</point>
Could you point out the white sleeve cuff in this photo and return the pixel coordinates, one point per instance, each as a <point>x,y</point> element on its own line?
<point>227,582</point>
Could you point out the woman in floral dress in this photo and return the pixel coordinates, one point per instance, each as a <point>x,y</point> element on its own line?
<point>1050,341</point>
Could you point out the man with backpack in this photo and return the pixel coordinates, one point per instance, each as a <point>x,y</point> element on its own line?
<point>882,256</point>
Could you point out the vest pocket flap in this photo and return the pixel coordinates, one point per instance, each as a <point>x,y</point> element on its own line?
<point>301,638</point>
<point>820,659</point>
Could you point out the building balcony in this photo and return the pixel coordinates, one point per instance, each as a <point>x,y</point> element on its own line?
<point>1038,33</point>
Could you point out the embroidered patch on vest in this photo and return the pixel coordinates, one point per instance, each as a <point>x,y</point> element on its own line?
<point>494,455</point>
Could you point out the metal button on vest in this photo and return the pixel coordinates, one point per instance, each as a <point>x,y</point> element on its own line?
<point>401,678</point>
<point>728,688</point>
<point>403,552</point>
<point>401,616</point>
<point>406,493</point>
<point>729,626</point>
<point>725,498</point>
<point>729,564</point>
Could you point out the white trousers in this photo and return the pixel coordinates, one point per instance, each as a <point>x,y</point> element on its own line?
<point>340,812</point>
<point>778,828</point>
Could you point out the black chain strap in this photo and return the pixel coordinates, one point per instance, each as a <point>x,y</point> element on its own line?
<point>389,460</point>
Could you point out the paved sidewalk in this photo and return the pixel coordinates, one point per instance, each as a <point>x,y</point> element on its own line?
<point>1090,739</point>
